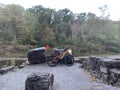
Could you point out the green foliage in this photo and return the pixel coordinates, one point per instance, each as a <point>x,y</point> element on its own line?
<point>12,22</point>
<point>84,33</point>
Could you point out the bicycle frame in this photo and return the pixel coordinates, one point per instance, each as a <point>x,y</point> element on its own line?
<point>57,57</point>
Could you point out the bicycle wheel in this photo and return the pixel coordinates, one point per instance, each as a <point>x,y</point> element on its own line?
<point>50,62</point>
<point>69,60</point>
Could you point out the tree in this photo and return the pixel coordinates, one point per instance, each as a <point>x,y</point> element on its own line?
<point>77,28</point>
<point>104,14</point>
<point>13,16</point>
<point>62,25</point>
<point>30,25</point>
<point>43,18</point>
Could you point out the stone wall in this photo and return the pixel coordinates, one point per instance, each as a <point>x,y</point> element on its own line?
<point>106,69</point>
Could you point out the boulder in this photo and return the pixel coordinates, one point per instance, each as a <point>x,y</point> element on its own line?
<point>39,81</point>
<point>37,55</point>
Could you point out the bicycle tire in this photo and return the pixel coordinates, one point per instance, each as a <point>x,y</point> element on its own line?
<point>69,60</point>
<point>50,62</point>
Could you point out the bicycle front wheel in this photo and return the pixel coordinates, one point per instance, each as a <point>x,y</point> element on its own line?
<point>50,62</point>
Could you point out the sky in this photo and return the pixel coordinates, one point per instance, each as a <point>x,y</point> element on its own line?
<point>76,6</point>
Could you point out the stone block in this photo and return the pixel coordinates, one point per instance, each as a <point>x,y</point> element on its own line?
<point>23,65</point>
<point>115,73</point>
<point>83,59</point>
<point>6,69</point>
<point>104,70</point>
<point>94,62</point>
<point>105,77</point>
<point>116,64</point>
<point>110,63</point>
<point>39,81</point>
<point>86,64</point>
<point>106,62</point>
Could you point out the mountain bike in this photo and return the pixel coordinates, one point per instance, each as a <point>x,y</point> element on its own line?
<point>60,56</point>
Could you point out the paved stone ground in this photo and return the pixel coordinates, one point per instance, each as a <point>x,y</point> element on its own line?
<point>66,78</point>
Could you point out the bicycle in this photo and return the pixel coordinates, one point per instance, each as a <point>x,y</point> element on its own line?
<point>60,56</point>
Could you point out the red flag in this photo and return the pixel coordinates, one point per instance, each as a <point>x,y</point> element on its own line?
<point>47,47</point>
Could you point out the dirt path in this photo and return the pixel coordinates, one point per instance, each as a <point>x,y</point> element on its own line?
<point>66,78</point>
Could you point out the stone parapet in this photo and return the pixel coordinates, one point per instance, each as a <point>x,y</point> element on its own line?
<point>106,69</point>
